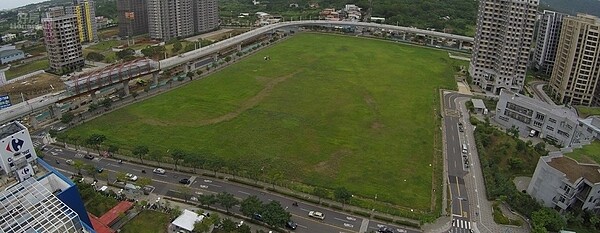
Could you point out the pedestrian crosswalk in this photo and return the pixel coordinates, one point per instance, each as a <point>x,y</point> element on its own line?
<point>460,223</point>
<point>37,143</point>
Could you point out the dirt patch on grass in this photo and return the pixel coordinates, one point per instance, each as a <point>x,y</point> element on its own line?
<point>331,166</point>
<point>32,87</point>
<point>250,103</point>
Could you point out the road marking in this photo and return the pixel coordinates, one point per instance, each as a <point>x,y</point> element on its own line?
<point>458,190</point>
<point>351,218</point>
<point>242,192</point>
<point>364,225</point>
<point>215,185</point>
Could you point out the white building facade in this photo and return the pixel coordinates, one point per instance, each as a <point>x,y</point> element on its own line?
<point>555,123</point>
<point>502,44</point>
<point>562,183</point>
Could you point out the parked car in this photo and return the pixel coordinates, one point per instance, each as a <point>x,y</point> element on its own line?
<point>316,214</point>
<point>460,127</point>
<point>184,181</point>
<point>99,169</point>
<point>385,230</point>
<point>257,216</point>
<point>291,225</point>
<point>88,156</point>
<point>131,177</point>
<point>70,162</point>
<point>159,171</point>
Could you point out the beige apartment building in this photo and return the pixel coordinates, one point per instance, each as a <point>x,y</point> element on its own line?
<point>576,71</point>
<point>502,44</point>
<point>61,36</point>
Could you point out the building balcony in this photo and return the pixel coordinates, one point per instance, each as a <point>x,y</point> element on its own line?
<point>560,204</point>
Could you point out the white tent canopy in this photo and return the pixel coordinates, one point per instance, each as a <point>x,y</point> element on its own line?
<point>187,219</point>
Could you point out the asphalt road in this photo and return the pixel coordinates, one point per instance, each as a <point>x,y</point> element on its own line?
<point>537,87</point>
<point>168,185</point>
<point>457,163</point>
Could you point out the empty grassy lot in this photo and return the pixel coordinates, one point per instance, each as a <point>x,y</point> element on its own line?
<point>326,110</point>
<point>147,222</point>
<point>23,69</point>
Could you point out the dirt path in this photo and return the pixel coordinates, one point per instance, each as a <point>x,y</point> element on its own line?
<point>250,103</point>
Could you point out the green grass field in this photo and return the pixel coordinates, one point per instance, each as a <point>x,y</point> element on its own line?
<point>587,154</point>
<point>147,222</point>
<point>326,110</point>
<point>19,70</point>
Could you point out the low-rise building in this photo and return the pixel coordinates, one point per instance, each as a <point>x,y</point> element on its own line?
<point>7,56</point>
<point>562,183</point>
<point>554,123</point>
<point>9,37</point>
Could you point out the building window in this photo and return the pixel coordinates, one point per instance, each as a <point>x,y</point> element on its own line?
<point>550,128</point>
<point>552,120</point>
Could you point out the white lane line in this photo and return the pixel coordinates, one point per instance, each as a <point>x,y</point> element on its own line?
<point>244,192</point>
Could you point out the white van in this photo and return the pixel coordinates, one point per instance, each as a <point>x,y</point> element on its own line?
<point>464,148</point>
<point>532,133</point>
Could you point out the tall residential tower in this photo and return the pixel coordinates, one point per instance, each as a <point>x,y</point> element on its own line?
<point>502,44</point>
<point>133,17</point>
<point>61,36</point>
<point>546,43</point>
<point>576,70</point>
<point>181,18</point>
<point>86,19</point>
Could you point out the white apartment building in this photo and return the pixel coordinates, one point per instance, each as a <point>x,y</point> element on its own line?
<point>576,71</point>
<point>555,123</point>
<point>502,44</point>
<point>548,34</point>
<point>562,183</point>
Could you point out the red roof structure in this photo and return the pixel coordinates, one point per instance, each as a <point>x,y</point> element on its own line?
<point>111,216</point>
<point>98,226</point>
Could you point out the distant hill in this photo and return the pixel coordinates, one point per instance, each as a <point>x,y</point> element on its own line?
<point>573,7</point>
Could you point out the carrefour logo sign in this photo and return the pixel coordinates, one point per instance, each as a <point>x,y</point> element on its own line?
<point>14,145</point>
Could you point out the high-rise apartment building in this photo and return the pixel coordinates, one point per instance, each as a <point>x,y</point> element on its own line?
<point>576,69</point>
<point>86,19</point>
<point>180,18</point>
<point>207,15</point>
<point>502,43</point>
<point>35,197</point>
<point>548,34</point>
<point>133,17</point>
<point>61,36</point>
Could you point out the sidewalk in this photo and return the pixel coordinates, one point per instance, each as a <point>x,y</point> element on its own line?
<point>482,211</point>
<point>174,204</point>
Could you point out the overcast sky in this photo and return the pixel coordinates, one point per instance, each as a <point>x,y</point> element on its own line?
<point>10,4</point>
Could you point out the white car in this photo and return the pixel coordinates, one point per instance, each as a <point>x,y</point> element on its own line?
<point>131,177</point>
<point>159,171</point>
<point>70,162</point>
<point>316,214</point>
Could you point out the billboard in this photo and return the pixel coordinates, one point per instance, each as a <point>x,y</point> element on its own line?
<point>4,101</point>
<point>16,149</point>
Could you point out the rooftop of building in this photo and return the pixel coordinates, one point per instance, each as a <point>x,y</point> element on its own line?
<point>10,129</point>
<point>574,170</point>
<point>557,110</point>
<point>10,52</point>
<point>587,154</point>
<point>32,206</point>
<point>478,103</point>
